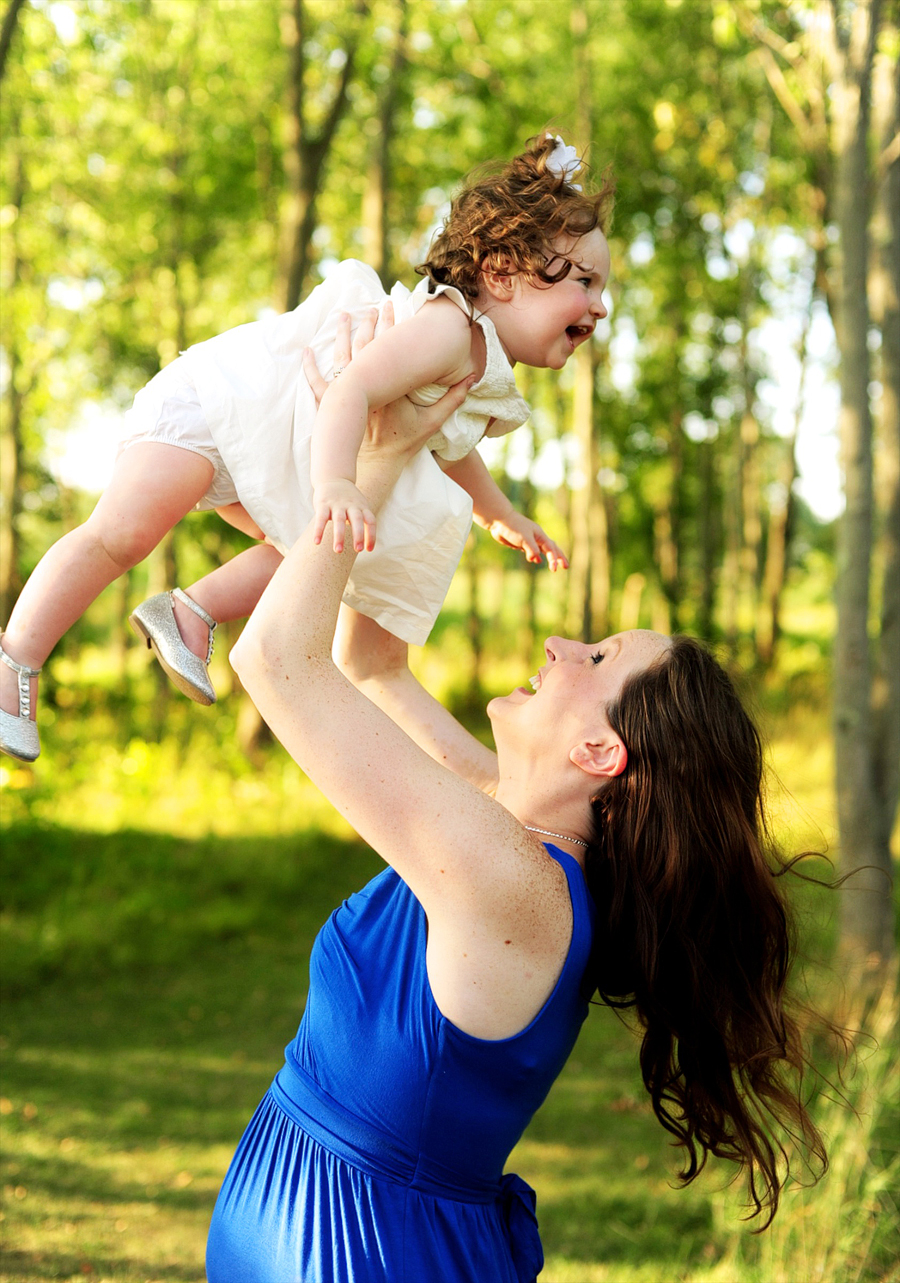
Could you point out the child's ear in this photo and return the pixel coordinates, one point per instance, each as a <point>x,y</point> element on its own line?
<point>499,284</point>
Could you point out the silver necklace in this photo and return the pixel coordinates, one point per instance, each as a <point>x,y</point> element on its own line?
<point>550,834</point>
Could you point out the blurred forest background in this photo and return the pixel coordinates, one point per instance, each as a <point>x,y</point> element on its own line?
<point>171,168</point>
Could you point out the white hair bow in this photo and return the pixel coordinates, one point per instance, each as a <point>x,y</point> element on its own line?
<point>564,160</point>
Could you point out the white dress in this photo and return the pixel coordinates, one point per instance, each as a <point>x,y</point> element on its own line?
<point>260,411</point>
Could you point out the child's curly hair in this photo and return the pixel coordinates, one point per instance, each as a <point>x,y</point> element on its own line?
<point>507,222</point>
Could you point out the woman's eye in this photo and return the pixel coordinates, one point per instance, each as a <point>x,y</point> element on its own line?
<point>596,658</point>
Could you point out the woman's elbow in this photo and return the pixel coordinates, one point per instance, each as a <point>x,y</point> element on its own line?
<point>250,660</point>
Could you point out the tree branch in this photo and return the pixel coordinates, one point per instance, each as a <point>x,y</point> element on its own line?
<point>782,92</point>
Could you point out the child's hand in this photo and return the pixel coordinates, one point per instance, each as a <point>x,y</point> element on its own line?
<point>516,531</point>
<point>340,502</point>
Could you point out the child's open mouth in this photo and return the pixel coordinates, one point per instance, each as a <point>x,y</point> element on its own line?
<point>578,332</point>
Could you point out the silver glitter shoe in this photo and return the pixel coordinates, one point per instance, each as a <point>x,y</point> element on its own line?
<point>154,620</point>
<point>19,734</point>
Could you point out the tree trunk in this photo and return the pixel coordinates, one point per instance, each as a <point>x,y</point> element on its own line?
<point>165,567</point>
<point>731,497</point>
<point>586,559</point>
<point>750,538</point>
<point>667,519</point>
<point>709,539</point>
<point>588,607</point>
<point>306,152</point>
<point>666,561</point>
<point>751,524</point>
<point>866,917</point>
<point>630,605</point>
<point>886,313</point>
<point>376,221</point>
<point>781,510</point>
<point>12,449</point>
<point>10,490</point>
<point>7,31</point>
<point>528,644</point>
<point>598,624</point>
<point>475,623</point>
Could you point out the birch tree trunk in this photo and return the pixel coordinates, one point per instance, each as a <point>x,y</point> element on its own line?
<point>866,914</point>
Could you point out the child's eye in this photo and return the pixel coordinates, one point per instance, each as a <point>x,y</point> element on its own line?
<point>596,658</point>
<point>586,280</point>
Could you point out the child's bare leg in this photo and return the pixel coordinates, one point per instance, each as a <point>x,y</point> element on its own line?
<point>229,592</point>
<point>153,486</point>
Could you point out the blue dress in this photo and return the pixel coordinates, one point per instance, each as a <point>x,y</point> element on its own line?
<point>377,1154</point>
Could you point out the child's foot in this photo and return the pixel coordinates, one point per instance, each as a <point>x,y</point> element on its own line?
<point>195,633</point>
<point>18,703</point>
<point>182,648</point>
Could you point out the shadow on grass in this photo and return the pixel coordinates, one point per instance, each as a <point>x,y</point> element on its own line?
<point>79,904</point>
<point>30,1266</point>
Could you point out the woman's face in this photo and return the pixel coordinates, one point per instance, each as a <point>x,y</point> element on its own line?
<point>570,692</point>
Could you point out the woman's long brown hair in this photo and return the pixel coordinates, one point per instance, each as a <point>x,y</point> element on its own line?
<point>694,931</point>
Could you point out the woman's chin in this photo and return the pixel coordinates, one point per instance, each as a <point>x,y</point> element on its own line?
<point>521,695</point>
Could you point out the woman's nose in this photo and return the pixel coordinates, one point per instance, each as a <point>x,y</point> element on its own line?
<point>559,647</point>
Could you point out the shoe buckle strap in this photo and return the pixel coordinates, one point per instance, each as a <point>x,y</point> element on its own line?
<point>198,610</point>
<point>23,678</point>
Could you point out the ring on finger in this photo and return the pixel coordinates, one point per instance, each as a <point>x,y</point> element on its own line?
<point>339,370</point>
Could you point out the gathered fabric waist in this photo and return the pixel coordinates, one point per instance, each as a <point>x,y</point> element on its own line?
<point>366,1147</point>
<point>362,1144</point>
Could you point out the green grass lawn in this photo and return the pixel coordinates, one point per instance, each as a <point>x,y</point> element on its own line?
<point>160,900</point>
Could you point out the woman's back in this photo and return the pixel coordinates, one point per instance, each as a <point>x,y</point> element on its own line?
<point>403,1121</point>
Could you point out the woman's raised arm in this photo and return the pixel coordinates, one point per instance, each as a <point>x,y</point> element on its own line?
<point>430,824</point>
<point>493,958</point>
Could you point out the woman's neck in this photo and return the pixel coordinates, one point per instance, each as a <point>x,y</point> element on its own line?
<point>559,812</point>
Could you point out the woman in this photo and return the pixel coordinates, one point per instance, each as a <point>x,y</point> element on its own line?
<point>614,843</point>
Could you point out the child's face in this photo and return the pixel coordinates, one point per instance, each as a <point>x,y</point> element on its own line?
<point>542,325</point>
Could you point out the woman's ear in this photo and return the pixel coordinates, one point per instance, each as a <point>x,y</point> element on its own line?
<point>605,760</point>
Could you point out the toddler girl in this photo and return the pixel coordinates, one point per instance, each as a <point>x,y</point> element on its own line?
<point>516,274</point>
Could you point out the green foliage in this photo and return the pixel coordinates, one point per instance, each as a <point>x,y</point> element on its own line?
<point>143,197</point>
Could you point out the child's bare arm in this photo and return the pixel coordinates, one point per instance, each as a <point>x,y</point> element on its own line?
<point>377,664</point>
<point>494,512</point>
<point>434,346</point>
